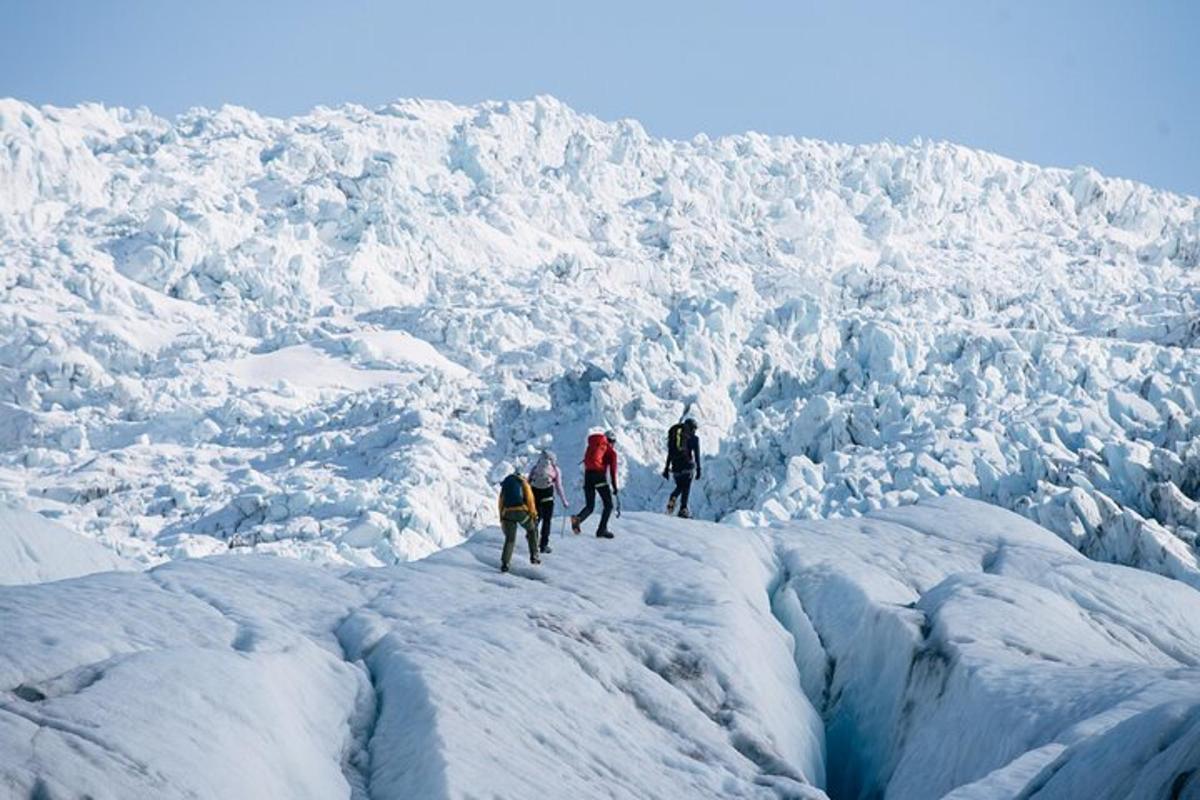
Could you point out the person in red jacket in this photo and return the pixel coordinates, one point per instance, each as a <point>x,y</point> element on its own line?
<point>599,475</point>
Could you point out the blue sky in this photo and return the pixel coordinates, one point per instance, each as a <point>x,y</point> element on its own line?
<point>1061,82</point>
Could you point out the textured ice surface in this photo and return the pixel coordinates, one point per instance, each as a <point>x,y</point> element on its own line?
<point>320,335</point>
<point>947,647</point>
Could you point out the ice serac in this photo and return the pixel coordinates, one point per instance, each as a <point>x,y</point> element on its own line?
<point>318,335</point>
<point>946,649</point>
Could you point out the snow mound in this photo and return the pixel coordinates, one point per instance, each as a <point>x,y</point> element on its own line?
<point>33,549</point>
<point>945,649</point>
<point>319,335</point>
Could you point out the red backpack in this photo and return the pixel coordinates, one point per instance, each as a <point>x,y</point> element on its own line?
<point>594,459</point>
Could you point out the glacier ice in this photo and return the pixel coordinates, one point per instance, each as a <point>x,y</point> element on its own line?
<point>947,648</point>
<point>318,335</point>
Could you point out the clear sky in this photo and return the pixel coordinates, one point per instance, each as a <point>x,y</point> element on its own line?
<point>1061,82</point>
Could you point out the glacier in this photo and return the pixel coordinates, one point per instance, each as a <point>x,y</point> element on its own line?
<point>944,649</point>
<point>946,540</point>
<point>321,336</point>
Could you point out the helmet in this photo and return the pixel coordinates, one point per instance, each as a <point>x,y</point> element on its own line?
<point>690,424</point>
<point>610,435</point>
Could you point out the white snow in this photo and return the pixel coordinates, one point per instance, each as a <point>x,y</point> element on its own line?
<point>303,366</point>
<point>384,357</point>
<point>945,649</point>
<point>229,327</point>
<point>34,550</point>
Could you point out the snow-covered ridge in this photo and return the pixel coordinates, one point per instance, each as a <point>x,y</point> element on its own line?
<point>443,287</point>
<point>945,649</point>
<point>35,550</point>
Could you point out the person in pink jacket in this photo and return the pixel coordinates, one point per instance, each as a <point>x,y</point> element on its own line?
<point>546,479</point>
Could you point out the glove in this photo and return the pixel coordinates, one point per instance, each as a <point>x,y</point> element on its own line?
<point>666,474</point>
<point>698,473</point>
<point>616,491</point>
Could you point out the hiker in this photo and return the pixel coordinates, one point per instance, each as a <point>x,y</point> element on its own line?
<point>517,508</point>
<point>599,467</point>
<point>546,479</point>
<point>683,461</point>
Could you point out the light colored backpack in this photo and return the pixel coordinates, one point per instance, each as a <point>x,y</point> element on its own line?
<point>543,472</point>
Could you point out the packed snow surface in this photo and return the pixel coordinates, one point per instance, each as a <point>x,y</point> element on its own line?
<point>34,550</point>
<point>945,649</point>
<point>323,335</point>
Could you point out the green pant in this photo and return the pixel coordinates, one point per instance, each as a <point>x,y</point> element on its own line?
<point>509,521</point>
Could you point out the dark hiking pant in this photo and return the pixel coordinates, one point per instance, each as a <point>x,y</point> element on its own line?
<point>594,482</point>
<point>683,487</point>
<point>545,506</point>
<point>509,521</point>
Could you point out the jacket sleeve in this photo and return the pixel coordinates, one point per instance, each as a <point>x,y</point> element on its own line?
<point>695,443</point>
<point>612,468</point>
<point>558,485</point>
<point>500,504</point>
<point>530,505</point>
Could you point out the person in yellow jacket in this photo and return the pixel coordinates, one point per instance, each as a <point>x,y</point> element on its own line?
<point>517,507</point>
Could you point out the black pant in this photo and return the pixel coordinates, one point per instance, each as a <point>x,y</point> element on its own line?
<point>683,487</point>
<point>596,482</point>
<point>545,506</point>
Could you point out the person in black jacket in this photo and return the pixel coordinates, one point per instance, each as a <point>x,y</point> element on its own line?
<point>683,462</point>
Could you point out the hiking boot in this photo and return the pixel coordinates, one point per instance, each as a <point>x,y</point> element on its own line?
<point>604,535</point>
<point>684,513</point>
<point>504,567</point>
<point>670,506</point>
<point>546,549</point>
<point>534,559</point>
<point>575,529</point>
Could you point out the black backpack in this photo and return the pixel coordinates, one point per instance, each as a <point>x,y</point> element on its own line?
<point>678,452</point>
<point>512,492</point>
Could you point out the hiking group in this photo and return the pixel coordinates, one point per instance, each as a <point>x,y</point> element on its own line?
<point>528,501</point>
